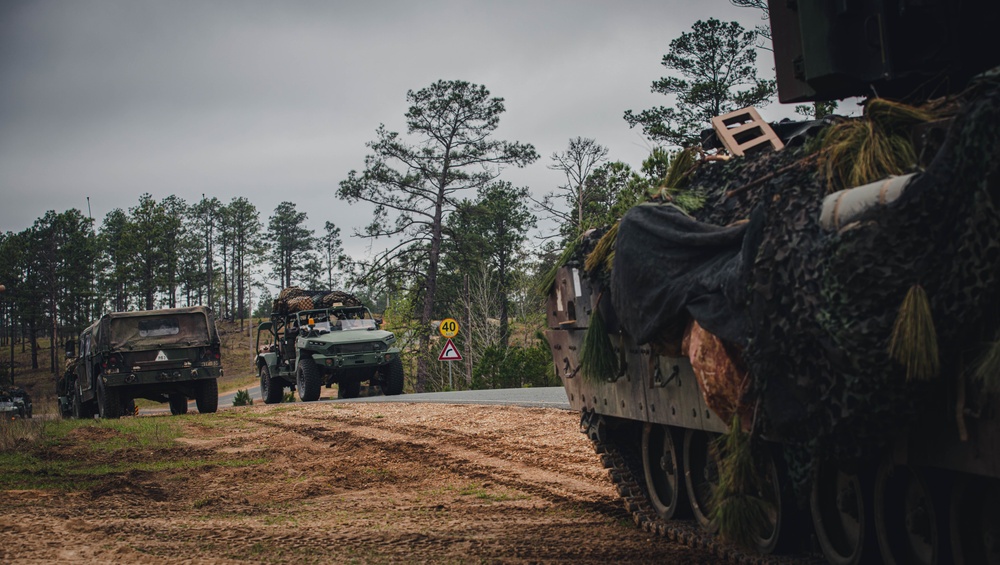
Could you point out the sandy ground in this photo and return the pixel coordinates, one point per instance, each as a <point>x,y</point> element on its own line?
<point>342,483</point>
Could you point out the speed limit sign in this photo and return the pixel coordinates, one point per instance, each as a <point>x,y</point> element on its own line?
<point>448,328</point>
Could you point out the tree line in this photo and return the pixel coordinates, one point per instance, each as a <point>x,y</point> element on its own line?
<point>456,231</point>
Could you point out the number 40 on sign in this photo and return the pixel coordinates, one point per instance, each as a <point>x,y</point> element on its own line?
<point>449,329</point>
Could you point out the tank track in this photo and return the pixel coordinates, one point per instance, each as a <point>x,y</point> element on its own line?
<point>620,456</point>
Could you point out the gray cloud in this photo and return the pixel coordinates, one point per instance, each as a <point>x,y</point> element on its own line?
<point>275,100</point>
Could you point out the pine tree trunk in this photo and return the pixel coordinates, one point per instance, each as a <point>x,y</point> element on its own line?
<point>33,336</point>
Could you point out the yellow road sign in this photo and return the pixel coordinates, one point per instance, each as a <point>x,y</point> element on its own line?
<point>448,328</point>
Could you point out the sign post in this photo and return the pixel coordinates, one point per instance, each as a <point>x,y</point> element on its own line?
<point>448,330</point>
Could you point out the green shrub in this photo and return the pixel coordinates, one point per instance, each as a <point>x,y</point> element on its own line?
<point>514,367</point>
<point>242,398</point>
<point>289,396</point>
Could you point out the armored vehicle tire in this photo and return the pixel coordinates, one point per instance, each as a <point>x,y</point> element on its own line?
<point>271,390</point>
<point>392,377</point>
<point>178,403</point>
<point>308,380</point>
<point>664,475</point>
<point>206,396</point>
<point>772,534</point>
<point>701,474</point>
<point>841,508</point>
<point>911,515</point>
<point>975,520</point>
<point>109,401</point>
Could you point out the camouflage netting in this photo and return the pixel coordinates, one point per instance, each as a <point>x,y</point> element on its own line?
<point>820,306</point>
<point>294,299</point>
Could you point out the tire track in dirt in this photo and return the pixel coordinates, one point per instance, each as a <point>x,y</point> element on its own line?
<point>473,459</point>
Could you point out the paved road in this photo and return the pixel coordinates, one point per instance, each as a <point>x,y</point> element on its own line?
<point>542,397</point>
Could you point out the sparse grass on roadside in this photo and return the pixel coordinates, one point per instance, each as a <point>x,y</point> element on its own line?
<point>19,433</point>
<point>46,454</point>
<point>480,492</point>
<point>20,471</point>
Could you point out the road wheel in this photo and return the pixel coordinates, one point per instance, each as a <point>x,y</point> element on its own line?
<point>911,515</point>
<point>701,475</point>
<point>349,389</point>
<point>308,380</point>
<point>109,401</point>
<point>206,396</point>
<point>975,520</point>
<point>664,475</point>
<point>271,390</point>
<point>392,377</point>
<point>178,403</point>
<point>842,515</point>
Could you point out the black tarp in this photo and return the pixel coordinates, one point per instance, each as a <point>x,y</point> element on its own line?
<point>668,265</point>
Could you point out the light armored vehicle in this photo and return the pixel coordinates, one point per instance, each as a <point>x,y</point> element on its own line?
<point>308,349</point>
<point>15,402</point>
<point>169,355</point>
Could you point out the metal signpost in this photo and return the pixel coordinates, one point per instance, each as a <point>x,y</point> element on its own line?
<point>448,330</point>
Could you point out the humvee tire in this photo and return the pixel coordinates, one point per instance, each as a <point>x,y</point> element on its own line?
<point>271,389</point>
<point>109,401</point>
<point>206,396</point>
<point>178,404</point>
<point>392,377</point>
<point>309,380</point>
<point>80,410</point>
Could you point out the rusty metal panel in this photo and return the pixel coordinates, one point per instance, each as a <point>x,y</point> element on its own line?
<point>571,302</point>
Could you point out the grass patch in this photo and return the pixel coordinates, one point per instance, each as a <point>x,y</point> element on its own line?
<point>279,520</point>
<point>482,493</point>
<point>53,454</point>
<point>22,471</point>
<point>18,433</point>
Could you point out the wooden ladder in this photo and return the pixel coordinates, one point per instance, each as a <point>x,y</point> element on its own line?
<point>744,130</point>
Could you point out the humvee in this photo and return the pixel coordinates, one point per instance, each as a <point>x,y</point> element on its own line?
<point>167,355</point>
<point>311,348</point>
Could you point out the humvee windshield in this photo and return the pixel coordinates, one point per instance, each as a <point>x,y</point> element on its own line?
<point>184,330</point>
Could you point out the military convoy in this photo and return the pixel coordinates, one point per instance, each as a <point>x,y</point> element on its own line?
<point>170,355</point>
<point>806,356</point>
<point>317,339</point>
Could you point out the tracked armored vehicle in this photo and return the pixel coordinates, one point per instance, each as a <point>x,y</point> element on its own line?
<point>333,339</point>
<point>809,363</point>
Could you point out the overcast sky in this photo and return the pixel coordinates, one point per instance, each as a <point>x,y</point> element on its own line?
<point>276,100</point>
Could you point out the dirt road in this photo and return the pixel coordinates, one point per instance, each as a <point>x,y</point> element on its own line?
<point>340,483</point>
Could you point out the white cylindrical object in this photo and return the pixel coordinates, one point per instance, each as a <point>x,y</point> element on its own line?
<point>845,206</point>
